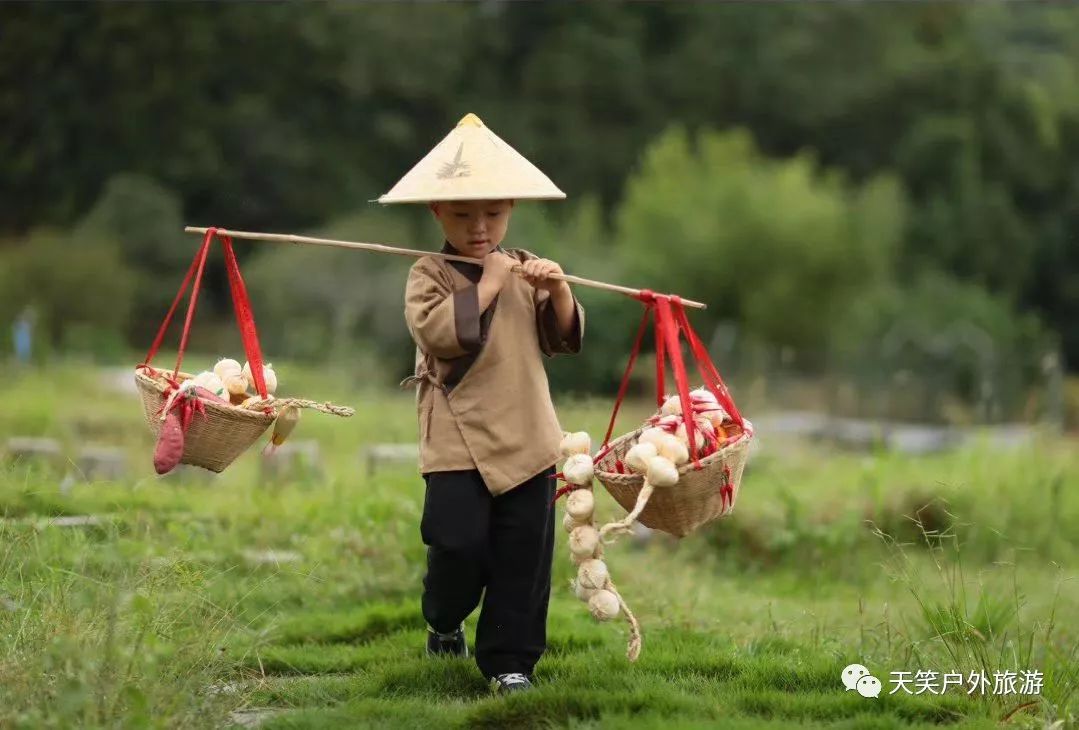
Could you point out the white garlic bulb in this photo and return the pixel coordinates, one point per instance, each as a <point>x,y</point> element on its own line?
<point>638,456</point>
<point>206,379</point>
<point>702,395</point>
<point>652,436</point>
<point>593,573</point>
<point>268,375</point>
<point>235,384</point>
<point>227,368</point>
<point>662,472</point>
<point>603,605</point>
<point>569,524</point>
<point>575,443</point>
<point>584,540</point>
<point>579,470</point>
<point>674,450</point>
<point>580,504</point>
<point>582,593</point>
<point>671,407</point>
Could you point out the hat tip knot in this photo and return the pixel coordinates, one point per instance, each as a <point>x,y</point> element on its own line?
<point>470,120</point>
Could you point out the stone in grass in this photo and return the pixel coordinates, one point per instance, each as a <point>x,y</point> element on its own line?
<point>271,557</point>
<point>293,461</point>
<point>102,464</point>
<point>22,448</point>
<point>253,717</point>
<point>188,473</point>
<point>377,454</point>
<point>74,521</point>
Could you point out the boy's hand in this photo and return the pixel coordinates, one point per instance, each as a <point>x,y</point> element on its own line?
<point>537,272</point>
<point>497,268</point>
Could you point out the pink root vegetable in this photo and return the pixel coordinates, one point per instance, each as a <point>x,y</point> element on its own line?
<point>208,396</point>
<point>170,445</point>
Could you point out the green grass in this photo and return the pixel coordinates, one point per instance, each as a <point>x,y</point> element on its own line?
<point>157,618</point>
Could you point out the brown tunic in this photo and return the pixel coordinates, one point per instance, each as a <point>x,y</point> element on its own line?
<point>483,400</point>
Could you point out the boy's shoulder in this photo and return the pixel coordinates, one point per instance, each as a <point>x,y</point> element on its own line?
<point>427,265</point>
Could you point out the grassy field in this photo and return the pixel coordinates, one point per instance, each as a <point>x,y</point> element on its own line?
<point>204,602</point>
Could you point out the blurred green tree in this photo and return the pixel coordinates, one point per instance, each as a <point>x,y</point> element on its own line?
<point>783,247</point>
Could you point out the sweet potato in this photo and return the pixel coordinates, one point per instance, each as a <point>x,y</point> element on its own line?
<point>170,444</point>
<point>208,396</point>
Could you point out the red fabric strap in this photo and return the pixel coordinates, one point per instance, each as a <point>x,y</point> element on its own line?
<point>160,337</point>
<point>245,319</point>
<point>706,367</point>
<point>241,304</point>
<point>671,322</point>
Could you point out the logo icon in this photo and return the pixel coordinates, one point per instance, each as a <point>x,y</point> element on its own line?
<point>857,678</point>
<point>457,168</point>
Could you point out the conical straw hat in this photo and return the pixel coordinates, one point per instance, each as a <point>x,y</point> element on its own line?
<point>472,163</point>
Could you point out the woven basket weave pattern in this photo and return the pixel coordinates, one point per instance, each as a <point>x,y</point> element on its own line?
<point>695,500</point>
<point>214,441</point>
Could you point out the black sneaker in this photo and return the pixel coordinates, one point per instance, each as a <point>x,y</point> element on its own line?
<point>451,644</point>
<point>513,682</point>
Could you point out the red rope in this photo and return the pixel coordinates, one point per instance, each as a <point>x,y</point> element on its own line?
<point>665,320</point>
<point>160,337</point>
<point>646,297</point>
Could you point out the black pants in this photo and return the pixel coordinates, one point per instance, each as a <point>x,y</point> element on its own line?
<point>502,544</point>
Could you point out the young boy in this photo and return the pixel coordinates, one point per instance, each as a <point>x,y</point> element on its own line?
<point>489,435</point>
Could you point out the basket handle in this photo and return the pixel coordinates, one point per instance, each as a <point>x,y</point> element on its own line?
<point>245,318</point>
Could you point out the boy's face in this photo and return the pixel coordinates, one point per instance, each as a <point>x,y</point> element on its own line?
<point>474,227</point>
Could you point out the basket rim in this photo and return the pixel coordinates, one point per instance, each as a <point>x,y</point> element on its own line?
<point>684,468</point>
<point>228,408</point>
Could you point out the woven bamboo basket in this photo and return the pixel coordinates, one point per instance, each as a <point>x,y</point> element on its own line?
<point>694,501</point>
<point>211,442</point>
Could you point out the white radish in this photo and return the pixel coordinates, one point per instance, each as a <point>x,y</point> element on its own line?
<point>584,540</point>
<point>575,443</point>
<point>638,456</point>
<point>578,469</point>
<point>603,605</point>
<point>580,504</point>
<point>593,573</point>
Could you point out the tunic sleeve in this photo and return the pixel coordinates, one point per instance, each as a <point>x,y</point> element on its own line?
<point>443,322</point>
<point>551,340</point>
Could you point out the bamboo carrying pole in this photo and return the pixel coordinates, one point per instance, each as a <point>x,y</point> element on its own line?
<point>380,248</point>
